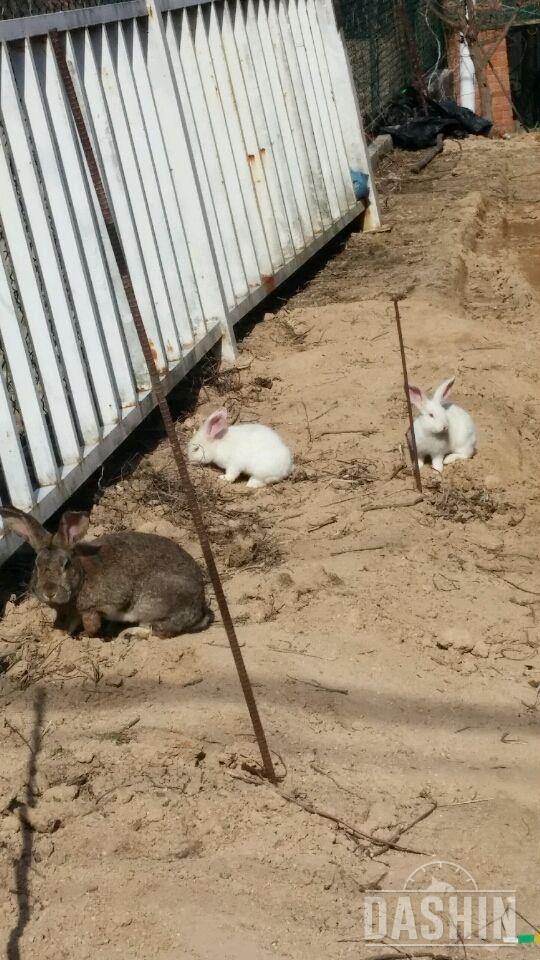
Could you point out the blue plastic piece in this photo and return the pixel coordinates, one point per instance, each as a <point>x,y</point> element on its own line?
<point>360,182</point>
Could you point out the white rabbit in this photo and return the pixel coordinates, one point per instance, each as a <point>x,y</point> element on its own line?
<point>443,431</point>
<point>249,448</point>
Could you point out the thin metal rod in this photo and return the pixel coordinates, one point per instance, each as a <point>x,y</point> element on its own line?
<point>412,441</point>
<point>162,403</point>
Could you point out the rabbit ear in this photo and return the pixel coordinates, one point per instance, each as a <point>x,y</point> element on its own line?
<point>216,424</point>
<point>73,526</point>
<point>88,554</point>
<point>417,396</point>
<point>26,527</point>
<point>443,389</point>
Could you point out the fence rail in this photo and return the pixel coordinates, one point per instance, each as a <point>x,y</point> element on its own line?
<point>226,134</point>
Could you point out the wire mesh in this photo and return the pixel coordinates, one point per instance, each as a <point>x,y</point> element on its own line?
<point>490,14</point>
<point>380,59</point>
<point>378,50</point>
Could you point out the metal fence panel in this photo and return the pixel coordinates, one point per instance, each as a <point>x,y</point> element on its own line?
<point>226,134</point>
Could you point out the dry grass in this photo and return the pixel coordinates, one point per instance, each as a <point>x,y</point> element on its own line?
<point>358,472</point>
<point>458,505</point>
<point>161,487</point>
<point>238,530</point>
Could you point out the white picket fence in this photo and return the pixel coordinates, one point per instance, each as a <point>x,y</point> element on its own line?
<point>226,133</point>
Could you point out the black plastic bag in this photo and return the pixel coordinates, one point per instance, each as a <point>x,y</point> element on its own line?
<point>405,106</point>
<point>414,124</point>
<point>420,133</point>
<point>469,121</point>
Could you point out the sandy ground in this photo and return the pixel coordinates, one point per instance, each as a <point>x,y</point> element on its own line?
<point>393,643</point>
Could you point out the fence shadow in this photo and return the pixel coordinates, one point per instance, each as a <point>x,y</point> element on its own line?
<point>24,860</point>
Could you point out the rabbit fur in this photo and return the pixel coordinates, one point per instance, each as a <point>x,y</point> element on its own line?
<point>443,431</point>
<point>125,577</point>
<point>243,448</point>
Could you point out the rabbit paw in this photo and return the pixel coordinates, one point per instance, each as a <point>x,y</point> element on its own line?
<point>229,477</point>
<point>253,483</point>
<point>452,457</point>
<point>135,633</point>
<point>91,622</point>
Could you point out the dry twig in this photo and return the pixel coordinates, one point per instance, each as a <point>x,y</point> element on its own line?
<point>400,831</point>
<point>374,546</point>
<point>324,773</point>
<point>529,922</point>
<point>323,523</point>
<point>425,954</point>
<point>331,433</point>
<point>394,506</point>
<point>438,148</point>
<point>18,734</point>
<point>323,414</point>
<point>353,831</point>
<point>462,803</point>
<point>318,686</point>
<point>534,593</point>
<point>307,422</point>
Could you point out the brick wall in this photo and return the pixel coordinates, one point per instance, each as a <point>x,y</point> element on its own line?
<point>499,83</point>
<point>503,119</point>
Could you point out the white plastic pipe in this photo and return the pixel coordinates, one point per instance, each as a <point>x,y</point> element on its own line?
<point>467,88</point>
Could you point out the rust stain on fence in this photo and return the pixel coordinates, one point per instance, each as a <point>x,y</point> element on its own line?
<point>269,281</point>
<point>153,350</point>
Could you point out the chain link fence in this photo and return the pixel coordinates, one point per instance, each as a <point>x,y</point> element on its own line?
<point>491,14</point>
<point>378,50</point>
<point>380,56</point>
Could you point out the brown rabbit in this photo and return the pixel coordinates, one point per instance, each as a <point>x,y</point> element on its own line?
<point>126,577</point>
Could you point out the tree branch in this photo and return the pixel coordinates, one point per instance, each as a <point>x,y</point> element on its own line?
<point>504,33</point>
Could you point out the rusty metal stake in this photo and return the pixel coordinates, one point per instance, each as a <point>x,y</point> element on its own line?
<point>412,441</point>
<point>162,403</point>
